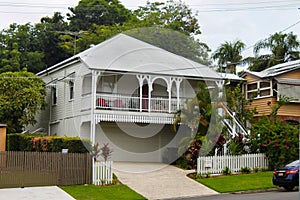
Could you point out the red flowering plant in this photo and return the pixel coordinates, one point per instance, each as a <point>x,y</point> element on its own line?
<point>278,140</point>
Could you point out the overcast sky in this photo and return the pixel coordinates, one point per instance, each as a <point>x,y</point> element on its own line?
<point>220,20</point>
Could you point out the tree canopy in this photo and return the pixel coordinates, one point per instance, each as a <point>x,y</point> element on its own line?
<point>175,15</point>
<point>173,41</point>
<point>281,47</point>
<point>22,94</point>
<point>99,12</point>
<point>229,55</point>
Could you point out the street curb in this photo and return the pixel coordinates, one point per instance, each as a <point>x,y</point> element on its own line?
<point>256,191</point>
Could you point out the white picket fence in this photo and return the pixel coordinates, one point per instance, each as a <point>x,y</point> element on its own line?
<point>215,164</point>
<point>102,172</point>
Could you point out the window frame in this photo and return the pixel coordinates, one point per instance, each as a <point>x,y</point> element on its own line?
<point>259,89</point>
<point>71,90</point>
<point>54,95</point>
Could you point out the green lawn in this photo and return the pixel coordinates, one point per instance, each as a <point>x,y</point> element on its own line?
<point>92,192</point>
<point>243,182</point>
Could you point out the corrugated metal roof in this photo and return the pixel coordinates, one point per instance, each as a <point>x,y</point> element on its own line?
<point>127,54</point>
<point>229,76</point>
<point>277,69</point>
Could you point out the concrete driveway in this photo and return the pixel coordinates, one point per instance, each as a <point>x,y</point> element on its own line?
<point>35,193</point>
<point>159,181</point>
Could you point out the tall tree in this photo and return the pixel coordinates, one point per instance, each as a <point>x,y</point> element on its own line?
<point>22,94</point>
<point>229,55</point>
<point>49,31</point>
<point>175,15</point>
<point>100,12</point>
<point>169,25</point>
<point>281,47</point>
<point>20,48</point>
<point>173,41</point>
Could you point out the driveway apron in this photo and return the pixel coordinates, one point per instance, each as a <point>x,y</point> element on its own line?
<point>159,181</point>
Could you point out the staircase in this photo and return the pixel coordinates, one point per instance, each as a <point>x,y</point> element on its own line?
<point>234,126</point>
<point>233,123</point>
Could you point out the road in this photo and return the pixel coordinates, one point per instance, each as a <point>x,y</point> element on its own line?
<point>276,195</point>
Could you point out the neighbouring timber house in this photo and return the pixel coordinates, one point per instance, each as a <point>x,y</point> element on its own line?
<point>124,92</point>
<point>267,86</point>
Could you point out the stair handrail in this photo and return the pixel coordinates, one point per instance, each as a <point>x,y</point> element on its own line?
<point>236,121</point>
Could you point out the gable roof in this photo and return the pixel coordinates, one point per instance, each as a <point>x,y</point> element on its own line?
<point>123,53</point>
<point>276,70</point>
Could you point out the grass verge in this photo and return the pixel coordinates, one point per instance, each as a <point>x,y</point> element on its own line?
<point>242,182</point>
<point>92,192</point>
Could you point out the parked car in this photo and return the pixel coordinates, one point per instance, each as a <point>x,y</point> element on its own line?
<point>288,176</point>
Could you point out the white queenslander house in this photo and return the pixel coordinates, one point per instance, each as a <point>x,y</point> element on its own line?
<point>124,92</point>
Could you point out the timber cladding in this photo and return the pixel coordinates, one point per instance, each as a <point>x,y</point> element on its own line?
<point>263,106</point>
<point>24,169</point>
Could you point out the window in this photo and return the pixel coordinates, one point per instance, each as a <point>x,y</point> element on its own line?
<point>252,86</point>
<point>54,95</point>
<point>259,89</point>
<point>292,91</point>
<point>71,88</point>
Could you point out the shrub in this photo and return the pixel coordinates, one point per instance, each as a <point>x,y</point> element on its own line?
<point>278,140</point>
<point>183,163</point>
<point>38,142</point>
<point>198,176</point>
<point>226,171</point>
<point>264,169</point>
<point>255,169</point>
<point>106,152</point>
<point>207,175</point>
<point>245,170</point>
<point>21,142</point>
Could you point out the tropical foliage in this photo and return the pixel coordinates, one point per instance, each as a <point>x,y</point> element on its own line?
<point>201,118</point>
<point>237,103</point>
<point>229,56</point>
<point>281,47</point>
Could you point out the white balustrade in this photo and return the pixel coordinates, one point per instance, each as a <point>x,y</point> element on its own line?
<point>132,103</point>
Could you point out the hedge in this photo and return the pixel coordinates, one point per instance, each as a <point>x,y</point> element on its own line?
<point>38,142</point>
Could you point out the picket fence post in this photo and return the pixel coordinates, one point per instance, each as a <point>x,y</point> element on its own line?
<point>102,172</point>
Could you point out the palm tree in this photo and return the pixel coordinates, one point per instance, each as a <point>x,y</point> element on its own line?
<point>229,55</point>
<point>283,47</point>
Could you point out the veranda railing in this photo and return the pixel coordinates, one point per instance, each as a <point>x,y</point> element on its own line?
<point>135,103</point>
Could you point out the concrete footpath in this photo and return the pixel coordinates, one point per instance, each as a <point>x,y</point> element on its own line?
<point>159,181</point>
<point>35,193</point>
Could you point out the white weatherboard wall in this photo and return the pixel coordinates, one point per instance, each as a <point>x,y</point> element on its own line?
<point>215,164</point>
